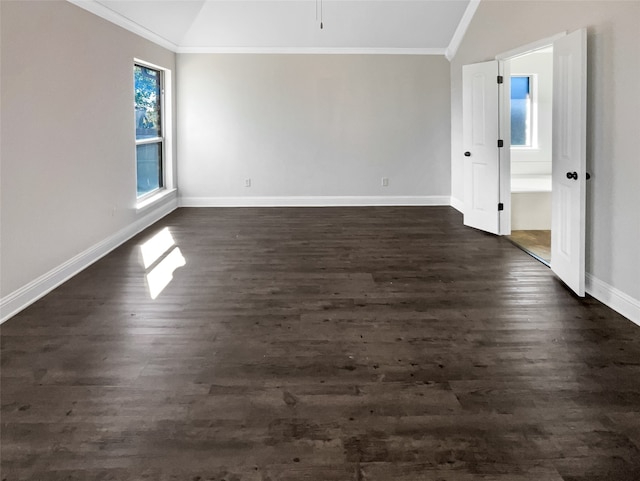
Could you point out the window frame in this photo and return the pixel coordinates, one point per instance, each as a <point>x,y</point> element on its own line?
<point>533,112</point>
<point>162,139</point>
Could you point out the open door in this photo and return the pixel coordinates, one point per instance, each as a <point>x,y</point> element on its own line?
<point>480,144</point>
<point>569,159</point>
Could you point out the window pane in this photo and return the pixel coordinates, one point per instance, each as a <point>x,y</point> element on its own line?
<point>520,111</point>
<point>149,167</point>
<point>147,90</point>
<point>518,122</point>
<point>520,87</point>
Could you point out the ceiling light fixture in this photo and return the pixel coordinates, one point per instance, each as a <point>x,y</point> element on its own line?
<point>320,2</point>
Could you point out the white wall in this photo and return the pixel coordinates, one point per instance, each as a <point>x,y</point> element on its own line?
<point>536,161</point>
<point>530,211</point>
<point>313,129</point>
<point>68,154</point>
<point>613,197</point>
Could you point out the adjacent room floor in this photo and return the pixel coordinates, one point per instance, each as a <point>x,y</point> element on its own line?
<point>286,344</point>
<point>535,242</point>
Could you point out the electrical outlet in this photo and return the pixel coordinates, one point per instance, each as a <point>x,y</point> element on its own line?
<point>247,182</point>
<point>385,182</point>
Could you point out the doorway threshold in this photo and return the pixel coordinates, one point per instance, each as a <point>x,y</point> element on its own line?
<point>536,243</point>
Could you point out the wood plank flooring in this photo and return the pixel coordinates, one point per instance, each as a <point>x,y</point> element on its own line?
<point>359,344</point>
<point>537,242</point>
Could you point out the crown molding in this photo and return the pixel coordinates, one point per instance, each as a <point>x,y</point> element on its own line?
<point>106,13</point>
<point>314,50</point>
<point>465,21</point>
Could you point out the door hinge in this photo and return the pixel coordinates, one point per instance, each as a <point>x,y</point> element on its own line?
<point>500,206</point>
<point>500,143</point>
<point>500,79</point>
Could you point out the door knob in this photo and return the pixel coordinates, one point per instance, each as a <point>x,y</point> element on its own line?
<point>572,175</point>
<point>467,154</point>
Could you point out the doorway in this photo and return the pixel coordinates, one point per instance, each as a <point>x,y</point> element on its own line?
<point>531,112</point>
<point>487,170</point>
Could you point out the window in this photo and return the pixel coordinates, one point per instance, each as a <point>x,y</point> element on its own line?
<point>521,112</point>
<point>149,129</point>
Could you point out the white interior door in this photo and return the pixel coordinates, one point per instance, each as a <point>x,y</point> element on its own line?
<point>569,159</point>
<point>480,144</point>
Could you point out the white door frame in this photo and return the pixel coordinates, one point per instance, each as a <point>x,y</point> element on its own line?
<point>504,162</point>
<point>505,123</point>
<point>570,266</point>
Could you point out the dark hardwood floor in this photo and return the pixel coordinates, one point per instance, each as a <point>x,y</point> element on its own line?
<point>331,344</point>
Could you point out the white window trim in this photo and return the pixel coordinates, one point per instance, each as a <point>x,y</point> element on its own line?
<point>154,198</point>
<point>169,187</point>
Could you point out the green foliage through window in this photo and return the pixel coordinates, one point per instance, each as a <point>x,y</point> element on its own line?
<point>149,142</point>
<point>147,95</point>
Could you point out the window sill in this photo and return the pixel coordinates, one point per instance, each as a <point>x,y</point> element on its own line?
<point>525,148</point>
<point>155,199</point>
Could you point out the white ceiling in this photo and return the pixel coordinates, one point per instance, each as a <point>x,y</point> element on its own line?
<point>375,26</point>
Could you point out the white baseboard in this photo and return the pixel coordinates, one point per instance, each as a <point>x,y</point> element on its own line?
<point>457,204</point>
<point>613,298</point>
<point>314,201</point>
<point>21,298</point>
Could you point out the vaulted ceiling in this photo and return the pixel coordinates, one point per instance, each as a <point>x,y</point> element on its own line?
<point>392,26</point>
